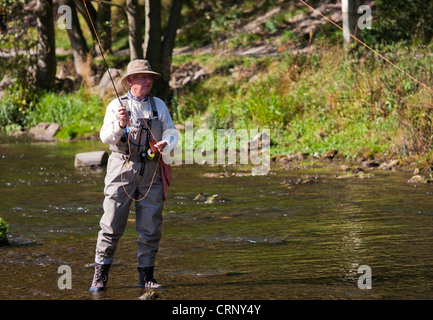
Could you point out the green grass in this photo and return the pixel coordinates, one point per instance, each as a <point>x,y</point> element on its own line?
<point>79,114</point>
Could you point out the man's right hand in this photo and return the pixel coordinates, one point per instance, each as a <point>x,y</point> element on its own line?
<point>123,116</point>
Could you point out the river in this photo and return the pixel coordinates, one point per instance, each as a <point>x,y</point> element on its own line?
<point>270,239</point>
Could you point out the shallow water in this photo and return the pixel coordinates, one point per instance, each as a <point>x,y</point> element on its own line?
<point>271,239</point>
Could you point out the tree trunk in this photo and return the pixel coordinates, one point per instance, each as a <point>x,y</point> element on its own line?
<point>80,7</point>
<point>3,25</point>
<point>78,42</point>
<point>135,33</point>
<point>168,45</point>
<point>46,49</point>
<point>158,52</point>
<point>153,33</point>
<point>103,24</point>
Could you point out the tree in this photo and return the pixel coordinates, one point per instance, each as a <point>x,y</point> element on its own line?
<point>159,52</point>
<point>135,33</point>
<point>46,50</point>
<point>92,12</point>
<point>103,24</point>
<point>101,19</point>
<point>403,20</point>
<point>76,37</point>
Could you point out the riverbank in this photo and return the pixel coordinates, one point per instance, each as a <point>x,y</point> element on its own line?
<point>362,167</point>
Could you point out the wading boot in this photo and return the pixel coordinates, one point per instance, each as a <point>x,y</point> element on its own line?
<point>100,277</point>
<point>146,279</point>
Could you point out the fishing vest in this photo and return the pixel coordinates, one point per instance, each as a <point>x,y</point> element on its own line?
<point>136,137</point>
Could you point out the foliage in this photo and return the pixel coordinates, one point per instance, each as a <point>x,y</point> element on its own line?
<point>396,20</point>
<point>4,231</point>
<point>357,104</point>
<point>16,105</point>
<point>78,114</point>
<point>17,63</point>
<point>217,19</point>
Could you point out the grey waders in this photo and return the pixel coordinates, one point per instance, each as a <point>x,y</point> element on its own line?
<point>132,176</point>
<point>146,279</point>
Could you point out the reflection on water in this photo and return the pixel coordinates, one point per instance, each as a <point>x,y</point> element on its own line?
<point>267,241</point>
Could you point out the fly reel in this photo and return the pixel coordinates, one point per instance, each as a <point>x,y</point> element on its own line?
<point>149,154</point>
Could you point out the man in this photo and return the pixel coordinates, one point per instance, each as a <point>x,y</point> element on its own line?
<point>137,128</point>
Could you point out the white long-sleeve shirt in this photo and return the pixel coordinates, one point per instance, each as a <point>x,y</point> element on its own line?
<point>111,132</point>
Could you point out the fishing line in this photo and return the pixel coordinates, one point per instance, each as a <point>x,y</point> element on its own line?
<point>150,186</point>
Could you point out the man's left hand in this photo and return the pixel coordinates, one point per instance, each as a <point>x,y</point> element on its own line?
<point>160,145</point>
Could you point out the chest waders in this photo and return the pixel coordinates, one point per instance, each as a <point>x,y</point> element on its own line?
<point>132,173</point>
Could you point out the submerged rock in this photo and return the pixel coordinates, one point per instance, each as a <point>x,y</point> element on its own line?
<point>417,179</point>
<point>149,295</point>
<point>360,175</point>
<point>215,198</point>
<point>307,179</point>
<point>201,197</point>
<point>224,174</point>
<point>357,172</point>
<point>302,180</point>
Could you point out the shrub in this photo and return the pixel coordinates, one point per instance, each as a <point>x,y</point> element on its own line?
<point>78,114</point>
<point>17,43</point>
<point>4,231</point>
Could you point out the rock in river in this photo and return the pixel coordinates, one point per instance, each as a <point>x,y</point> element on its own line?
<point>44,131</point>
<point>201,197</point>
<point>214,199</point>
<point>417,179</point>
<point>91,159</point>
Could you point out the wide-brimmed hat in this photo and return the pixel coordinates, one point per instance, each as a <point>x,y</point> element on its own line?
<point>139,66</point>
